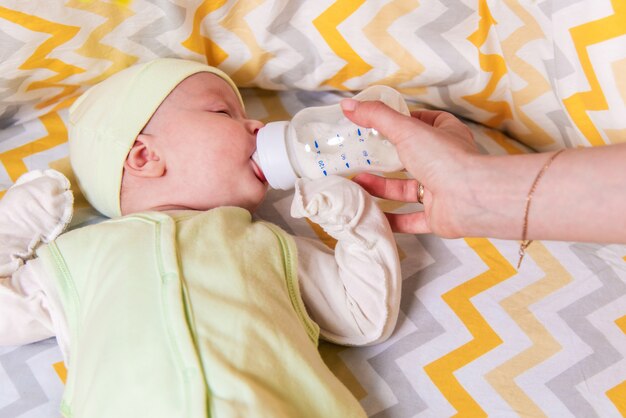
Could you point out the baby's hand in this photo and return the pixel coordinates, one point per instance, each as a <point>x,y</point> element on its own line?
<point>342,208</point>
<point>36,209</point>
<point>332,200</point>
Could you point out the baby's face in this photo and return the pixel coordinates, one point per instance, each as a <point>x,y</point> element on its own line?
<point>209,141</point>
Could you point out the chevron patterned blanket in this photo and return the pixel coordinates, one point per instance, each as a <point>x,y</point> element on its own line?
<point>475,336</point>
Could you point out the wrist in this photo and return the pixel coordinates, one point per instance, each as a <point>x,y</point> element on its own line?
<point>494,195</point>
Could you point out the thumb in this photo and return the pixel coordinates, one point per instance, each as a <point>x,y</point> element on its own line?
<point>391,124</point>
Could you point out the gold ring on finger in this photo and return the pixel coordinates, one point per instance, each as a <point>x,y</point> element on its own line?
<point>420,193</point>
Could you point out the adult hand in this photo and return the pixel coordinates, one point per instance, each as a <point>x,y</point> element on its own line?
<point>437,149</point>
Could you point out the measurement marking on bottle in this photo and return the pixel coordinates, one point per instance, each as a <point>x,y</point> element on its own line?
<point>348,165</point>
<point>368,161</point>
<point>324,172</point>
<point>358,131</point>
<point>316,145</point>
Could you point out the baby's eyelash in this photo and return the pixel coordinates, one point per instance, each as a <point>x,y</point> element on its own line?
<point>223,111</point>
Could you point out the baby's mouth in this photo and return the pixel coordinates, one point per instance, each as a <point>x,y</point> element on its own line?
<point>257,167</point>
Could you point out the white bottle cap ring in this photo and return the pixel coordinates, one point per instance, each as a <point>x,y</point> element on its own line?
<point>271,148</point>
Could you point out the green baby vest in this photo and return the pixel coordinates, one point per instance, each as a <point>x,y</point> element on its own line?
<point>189,314</point>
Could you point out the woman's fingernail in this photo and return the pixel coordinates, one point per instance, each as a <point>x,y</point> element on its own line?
<point>348,104</point>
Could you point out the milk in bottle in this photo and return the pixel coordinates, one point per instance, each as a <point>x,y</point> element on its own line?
<point>320,141</point>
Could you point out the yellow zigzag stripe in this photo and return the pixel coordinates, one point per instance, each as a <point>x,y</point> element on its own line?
<point>543,344</point>
<point>274,108</point>
<point>617,394</point>
<point>59,34</point>
<point>121,2</point>
<point>326,24</point>
<point>114,13</point>
<point>201,44</point>
<point>323,236</point>
<point>13,160</point>
<point>235,22</point>
<point>441,371</point>
<point>493,64</point>
<point>583,36</point>
<point>536,84</point>
<point>619,74</point>
<point>503,141</point>
<point>61,371</point>
<point>377,32</point>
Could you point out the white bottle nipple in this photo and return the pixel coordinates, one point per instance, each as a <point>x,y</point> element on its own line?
<point>257,162</point>
<point>255,158</point>
<point>273,157</point>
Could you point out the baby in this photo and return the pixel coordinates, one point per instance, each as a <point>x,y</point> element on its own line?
<point>181,305</point>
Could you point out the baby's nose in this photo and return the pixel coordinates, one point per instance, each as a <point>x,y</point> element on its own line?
<point>253,126</point>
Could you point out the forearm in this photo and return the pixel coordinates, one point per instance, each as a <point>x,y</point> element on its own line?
<point>581,196</point>
<point>353,293</point>
<point>35,210</point>
<point>355,305</point>
<point>25,316</point>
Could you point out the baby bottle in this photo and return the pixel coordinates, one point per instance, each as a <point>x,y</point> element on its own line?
<point>320,141</point>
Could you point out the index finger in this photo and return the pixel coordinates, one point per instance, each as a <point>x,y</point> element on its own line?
<point>401,190</point>
<point>394,126</point>
<point>440,119</point>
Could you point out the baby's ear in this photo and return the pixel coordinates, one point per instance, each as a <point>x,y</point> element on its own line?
<point>144,159</point>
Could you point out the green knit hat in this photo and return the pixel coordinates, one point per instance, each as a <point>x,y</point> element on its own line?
<point>107,118</point>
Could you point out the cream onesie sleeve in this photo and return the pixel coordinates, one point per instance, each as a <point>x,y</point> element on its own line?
<point>35,210</point>
<point>353,292</point>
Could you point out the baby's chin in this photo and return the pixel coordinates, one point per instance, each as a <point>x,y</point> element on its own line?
<point>254,204</point>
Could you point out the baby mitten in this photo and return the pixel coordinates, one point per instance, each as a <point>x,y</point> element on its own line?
<point>335,203</point>
<point>35,210</point>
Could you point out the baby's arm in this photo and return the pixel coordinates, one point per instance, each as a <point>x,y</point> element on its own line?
<point>353,292</point>
<point>24,315</point>
<point>35,210</point>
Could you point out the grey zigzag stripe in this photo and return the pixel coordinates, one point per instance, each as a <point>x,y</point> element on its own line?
<point>313,98</point>
<point>15,364</point>
<point>268,210</point>
<point>282,28</point>
<point>549,7</point>
<point>575,315</point>
<point>11,132</point>
<point>7,117</point>
<point>558,68</point>
<point>461,69</point>
<point>8,110</point>
<point>409,402</point>
<point>173,17</point>
<point>560,120</point>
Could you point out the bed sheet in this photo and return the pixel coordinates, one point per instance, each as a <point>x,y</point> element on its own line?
<point>550,73</point>
<point>475,336</point>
